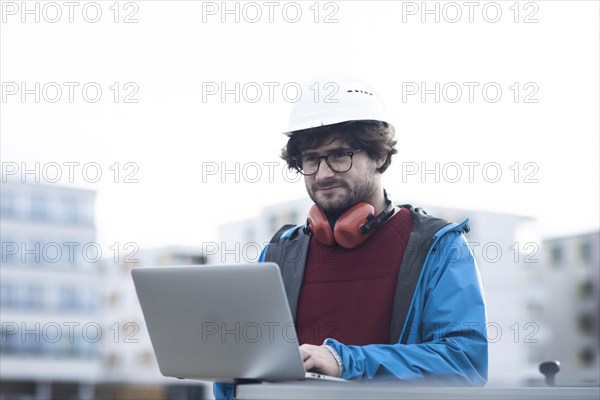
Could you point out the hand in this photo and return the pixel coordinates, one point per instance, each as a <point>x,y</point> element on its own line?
<point>319,359</point>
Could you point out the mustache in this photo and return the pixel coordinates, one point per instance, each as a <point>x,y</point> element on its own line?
<point>328,183</point>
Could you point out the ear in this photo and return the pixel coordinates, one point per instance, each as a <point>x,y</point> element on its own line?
<point>380,161</point>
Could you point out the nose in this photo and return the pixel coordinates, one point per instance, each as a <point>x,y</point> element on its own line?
<point>324,171</point>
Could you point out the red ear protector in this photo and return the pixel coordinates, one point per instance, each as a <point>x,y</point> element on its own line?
<point>352,228</point>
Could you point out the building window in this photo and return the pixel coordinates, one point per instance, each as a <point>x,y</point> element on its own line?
<point>31,252</point>
<point>585,323</point>
<point>556,255</point>
<point>65,347</point>
<point>586,357</point>
<point>85,212</point>
<point>70,253</point>
<point>9,251</point>
<point>198,260</point>
<point>86,346</point>
<point>39,207</point>
<point>92,301</point>
<point>51,252</point>
<point>182,259</point>
<point>7,204</point>
<point>113,299</point>
<point>146,358</point>
<point>9,342</point>
<point>112,360</point>
<point>534,308</point>
<point>8,295</point>
<point>585,252</point>
<point>68,299</point>
<point>30,339</point>
<point>33,297</point>
<point>69,210</point>
<point>585,290</point>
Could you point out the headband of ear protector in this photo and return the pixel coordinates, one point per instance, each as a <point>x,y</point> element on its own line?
<point>352,228</point>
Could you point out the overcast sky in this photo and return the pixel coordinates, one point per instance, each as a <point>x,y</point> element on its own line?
<point>501,98</point>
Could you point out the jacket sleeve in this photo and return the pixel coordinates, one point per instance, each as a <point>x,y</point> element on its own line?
<point>223,391</point>
<point>444,339</point>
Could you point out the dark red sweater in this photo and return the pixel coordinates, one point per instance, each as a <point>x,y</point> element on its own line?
<point>347,293</point>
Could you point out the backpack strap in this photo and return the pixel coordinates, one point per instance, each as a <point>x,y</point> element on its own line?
<point>289,252</point>
<point>420,241</point>
<point>277,235</point>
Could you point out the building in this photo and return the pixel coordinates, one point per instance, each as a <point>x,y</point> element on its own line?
<point>71,326</point>
<point>506,247</point>
<point>571,307</point>
<point>50,293</point>
<point>130,367</point>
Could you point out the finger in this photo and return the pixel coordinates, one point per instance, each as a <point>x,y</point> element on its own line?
<point>306,350</point>
<point>309,364</point>
<point>304,354</point>
<point>307,347</point>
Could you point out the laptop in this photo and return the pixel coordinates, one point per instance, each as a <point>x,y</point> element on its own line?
<point>221,323</point>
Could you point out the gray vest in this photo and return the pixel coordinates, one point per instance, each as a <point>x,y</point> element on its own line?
<point>290,253</point>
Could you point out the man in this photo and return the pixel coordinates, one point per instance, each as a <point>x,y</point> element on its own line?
<point>376,291</point>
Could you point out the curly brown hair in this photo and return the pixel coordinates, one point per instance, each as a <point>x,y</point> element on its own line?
<point>375,137</point>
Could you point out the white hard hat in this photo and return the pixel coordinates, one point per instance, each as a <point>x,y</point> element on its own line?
<point>328,102</point>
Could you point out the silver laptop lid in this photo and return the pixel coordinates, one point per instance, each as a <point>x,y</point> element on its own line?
<point>219,322</point>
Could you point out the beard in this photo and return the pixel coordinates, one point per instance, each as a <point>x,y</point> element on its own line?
<point>348,194</point>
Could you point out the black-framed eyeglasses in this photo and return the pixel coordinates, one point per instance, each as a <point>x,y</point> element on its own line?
<point>338,161</point>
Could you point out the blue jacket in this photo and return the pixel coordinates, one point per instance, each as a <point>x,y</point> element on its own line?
<point>442,336</point>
